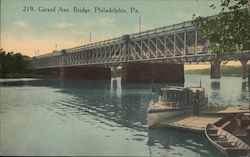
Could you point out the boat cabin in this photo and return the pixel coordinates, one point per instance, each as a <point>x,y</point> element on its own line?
<point>182,95</point>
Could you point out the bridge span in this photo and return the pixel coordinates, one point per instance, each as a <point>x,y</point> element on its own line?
<point>157,54</point>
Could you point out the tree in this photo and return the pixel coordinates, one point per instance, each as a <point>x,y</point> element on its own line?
<point>229,31</point>
<point>14,63</point>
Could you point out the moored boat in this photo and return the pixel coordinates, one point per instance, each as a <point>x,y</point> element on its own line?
<point>174,101</point>
<point>226,143</point>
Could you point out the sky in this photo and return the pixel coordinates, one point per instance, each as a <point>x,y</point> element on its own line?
<point>27,29</point>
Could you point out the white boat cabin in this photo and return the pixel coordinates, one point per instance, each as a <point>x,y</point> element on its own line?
<point>181,96</point>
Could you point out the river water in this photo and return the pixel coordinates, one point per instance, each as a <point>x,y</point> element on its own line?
<point>72,117</point>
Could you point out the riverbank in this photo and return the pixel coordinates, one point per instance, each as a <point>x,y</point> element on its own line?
<point>226,70</point>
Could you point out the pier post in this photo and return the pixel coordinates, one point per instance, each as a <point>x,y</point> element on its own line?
<point>244,70</point>
<point>215,69</point>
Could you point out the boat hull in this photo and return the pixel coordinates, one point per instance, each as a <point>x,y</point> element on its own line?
<point>175,101</point>
<point>239,150</point>
<point>155,118</point>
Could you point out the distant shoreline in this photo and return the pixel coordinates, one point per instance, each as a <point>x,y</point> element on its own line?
<point>226,71</point>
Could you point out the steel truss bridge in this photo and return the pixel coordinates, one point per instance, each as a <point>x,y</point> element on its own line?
<point>176,43</point>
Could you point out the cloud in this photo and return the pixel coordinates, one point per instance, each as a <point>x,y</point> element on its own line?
<point>64,25</point>
<point>106,21</point>
<point>21,24</point>
<point>89,24</point>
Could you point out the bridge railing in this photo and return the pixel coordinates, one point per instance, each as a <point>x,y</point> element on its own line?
<point>184,24</point>
<point>134,35</point>
<point>104,42</point>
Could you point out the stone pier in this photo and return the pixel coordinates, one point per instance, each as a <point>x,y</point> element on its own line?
<point>215,69</point>
<point>47,72</point>
<point>152,72</point>
<point>84,73</point>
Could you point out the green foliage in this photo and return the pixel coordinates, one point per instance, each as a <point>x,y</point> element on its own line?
<point>14,63</point>
<point>229,31</point>
<point>198,71</point>
<point>226,70</point>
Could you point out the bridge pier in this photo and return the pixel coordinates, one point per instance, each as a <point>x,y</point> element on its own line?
<point>156,72</point>
<point>244,69</point>
<point>84,73</point>
<point>215,69</point>
<point>47,72</point>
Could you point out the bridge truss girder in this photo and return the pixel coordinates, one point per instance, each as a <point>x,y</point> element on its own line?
<point>173,44</point>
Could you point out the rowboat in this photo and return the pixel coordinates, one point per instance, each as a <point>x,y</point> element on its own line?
<point>226,143</point>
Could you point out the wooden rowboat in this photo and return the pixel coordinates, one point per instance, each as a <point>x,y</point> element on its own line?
<point>226,143</point>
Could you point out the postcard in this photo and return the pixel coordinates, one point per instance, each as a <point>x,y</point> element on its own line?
<point>124,78</point>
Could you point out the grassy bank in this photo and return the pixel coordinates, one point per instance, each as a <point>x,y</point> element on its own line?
<point>226,70</point>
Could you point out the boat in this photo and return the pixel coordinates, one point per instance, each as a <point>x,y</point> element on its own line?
<point>226,143</point>
<point>174,101</point>
<point>243,119</point>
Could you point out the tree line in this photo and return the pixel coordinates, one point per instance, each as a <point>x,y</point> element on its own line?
<point>14,64</point>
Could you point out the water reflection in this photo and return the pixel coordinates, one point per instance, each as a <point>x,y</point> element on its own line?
<point>111,106</point>
<point>244,96</point>
<point>244,86</point>
<point>169,140</point>
<point>215,92</point>
<point>103,100</point>
<point>124,104</point>
<point>215,85</point>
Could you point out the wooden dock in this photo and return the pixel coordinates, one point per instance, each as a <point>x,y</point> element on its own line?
<point>211,115</point>
<point>190,123</point>
<point>225,110</point>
